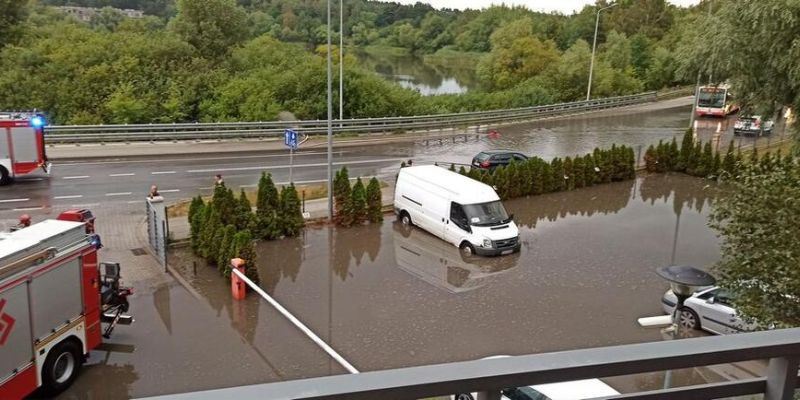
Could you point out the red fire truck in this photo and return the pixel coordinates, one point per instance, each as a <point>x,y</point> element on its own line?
<point>22,148</point>
<point>53,297</point>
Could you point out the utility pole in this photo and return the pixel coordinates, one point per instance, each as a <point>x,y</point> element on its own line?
<point>330,122</point>
<point>341,62</point>
<point>594,46</point>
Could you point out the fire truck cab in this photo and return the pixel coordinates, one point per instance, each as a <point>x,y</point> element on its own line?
<point>22,149</point>
<point>51,306</point>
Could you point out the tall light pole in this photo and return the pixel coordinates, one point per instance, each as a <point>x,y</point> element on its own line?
<point>594,46</point>
<point>341,61</point>
<point>330,122</point>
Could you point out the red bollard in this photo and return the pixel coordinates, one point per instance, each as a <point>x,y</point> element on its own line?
<point>238,286</point>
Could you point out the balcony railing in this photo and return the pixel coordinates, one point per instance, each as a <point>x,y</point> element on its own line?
<point>489,377</point>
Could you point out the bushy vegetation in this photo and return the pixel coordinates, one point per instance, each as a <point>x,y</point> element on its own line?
<point>223,60</point>
<point>356,204</point>
<point>694,158</point>
<point>227,227</point>
<point>536,176</point>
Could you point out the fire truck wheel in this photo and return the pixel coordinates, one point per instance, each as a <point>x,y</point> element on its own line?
<point>61,367</point>
<point>5,178</point>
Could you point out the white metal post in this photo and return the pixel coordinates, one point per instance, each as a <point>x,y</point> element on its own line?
<point>594,46</point>
<point>330,122</point>
<point>341,62</point>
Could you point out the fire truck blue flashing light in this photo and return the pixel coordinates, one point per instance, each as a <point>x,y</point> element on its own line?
<point>37,122</point>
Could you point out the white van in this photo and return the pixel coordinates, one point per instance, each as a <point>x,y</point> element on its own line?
<point>458,209</point>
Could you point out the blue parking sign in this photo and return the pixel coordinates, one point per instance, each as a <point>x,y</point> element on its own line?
<point>290,138</point>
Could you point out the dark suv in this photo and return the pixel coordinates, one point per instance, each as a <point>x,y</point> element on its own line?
<point>491,159</point>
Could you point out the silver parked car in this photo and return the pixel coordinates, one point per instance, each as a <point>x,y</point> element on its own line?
<point>709,309</point>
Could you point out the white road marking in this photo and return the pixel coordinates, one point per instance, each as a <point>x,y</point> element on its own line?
<point>119,194</point>
<point>76,177</point>
<point>28,209</point>
<point>75,196</point>
<point>134,201</point>
<point>13,200</point>
<point>169,191</point>
<point>247,186</point>
<point>128,174</point>
<point>89,205</point>
<point>207,188</point>
<point>192,171</point>
<point>162,172</point>
<point>161,160</point>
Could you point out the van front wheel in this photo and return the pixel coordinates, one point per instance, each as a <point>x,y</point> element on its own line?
<point>405,219</point>
<point>467,249</point>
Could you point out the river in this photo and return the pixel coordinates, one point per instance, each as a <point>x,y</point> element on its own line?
<point>414,72</point>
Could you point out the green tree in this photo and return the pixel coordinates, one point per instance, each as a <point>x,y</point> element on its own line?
<point>717,45</point>
<point>243,247</point>
<point>557,170</point>
<point>13,13</point>
<point>342,197</point>
<point>211,225</point>
<point>213,27</point>
<point>224,255</point>
<point>358,203</point>
<point>651,159</point>
<point>757,221</point>
<point>579,172</point>
<point>375,201</point>
<point>687,146</point>
<point>244,213</point>
<point>267,207</point>
<point>291,214</point>
<point>517,54</point>
<point>729,162</point>
<point>195,208</point>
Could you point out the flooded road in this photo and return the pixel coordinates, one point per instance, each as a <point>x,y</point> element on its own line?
<point>386,297</point>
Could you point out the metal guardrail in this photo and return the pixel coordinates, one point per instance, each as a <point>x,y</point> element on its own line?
<point>488,377</point>
<point>254,130</point>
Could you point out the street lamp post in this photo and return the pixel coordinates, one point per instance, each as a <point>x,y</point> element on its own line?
<point>341,62</point>
<point>330,122</point>
<point>594,46</point>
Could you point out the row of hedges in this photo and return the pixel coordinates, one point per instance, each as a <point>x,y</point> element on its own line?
<point>537,176</point>
<point>357,204</point>
<point>226,227</point>
<point>698,159</point>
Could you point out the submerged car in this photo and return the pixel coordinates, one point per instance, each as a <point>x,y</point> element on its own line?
<point>753,125</point>
<point>709,309</point>
<point>491,159</point>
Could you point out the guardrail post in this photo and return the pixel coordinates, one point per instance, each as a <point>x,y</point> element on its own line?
<point>781,378</point>
<point>489,395</point>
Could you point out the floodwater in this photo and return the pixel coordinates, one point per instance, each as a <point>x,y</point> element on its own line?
<point>413,72</point>
<point>582,134</point>
<point>387,297</point>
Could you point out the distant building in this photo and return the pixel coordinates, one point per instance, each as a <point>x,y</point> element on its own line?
<point>85,14</point>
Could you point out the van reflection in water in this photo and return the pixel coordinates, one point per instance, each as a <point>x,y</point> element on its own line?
<point>443,265</point>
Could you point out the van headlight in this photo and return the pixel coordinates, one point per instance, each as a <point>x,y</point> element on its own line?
<point>487,243</point>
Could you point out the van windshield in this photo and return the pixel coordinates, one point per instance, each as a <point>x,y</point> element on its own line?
<point>486,214</point>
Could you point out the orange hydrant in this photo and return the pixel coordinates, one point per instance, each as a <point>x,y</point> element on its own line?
<point>238,286</point>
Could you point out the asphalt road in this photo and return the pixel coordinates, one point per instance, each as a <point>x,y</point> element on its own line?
<point>123,183</point>
<point>89,184</point>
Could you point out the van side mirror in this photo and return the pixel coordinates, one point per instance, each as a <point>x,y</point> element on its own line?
<point>711,300</point>
<point>511,217</point>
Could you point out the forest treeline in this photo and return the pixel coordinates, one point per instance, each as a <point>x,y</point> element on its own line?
<point>228,60</point>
